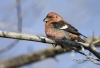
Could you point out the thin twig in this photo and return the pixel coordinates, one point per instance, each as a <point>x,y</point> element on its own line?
<point>10,46</point>
<point>89,57</point>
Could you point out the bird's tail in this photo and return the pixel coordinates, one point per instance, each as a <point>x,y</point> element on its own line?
<point>83,35</point>
<point>80,40</point>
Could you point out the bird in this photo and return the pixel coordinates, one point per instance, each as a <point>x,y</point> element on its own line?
<point>57,27</point>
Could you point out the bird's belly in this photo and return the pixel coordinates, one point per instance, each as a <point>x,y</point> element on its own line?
<point>54,33</point>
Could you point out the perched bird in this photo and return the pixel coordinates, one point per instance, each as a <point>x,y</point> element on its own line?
<point>56,27</point>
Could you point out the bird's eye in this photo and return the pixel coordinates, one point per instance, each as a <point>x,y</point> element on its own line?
<point>50,16</point>
<point>56,17</point>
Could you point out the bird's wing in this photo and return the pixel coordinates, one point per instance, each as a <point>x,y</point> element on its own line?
<point>62,25</point>
<point>65,26</point>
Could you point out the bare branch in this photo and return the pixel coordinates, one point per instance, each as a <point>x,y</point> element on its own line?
<point>77,59</point>
<point>47,40</point>
<point>92,49</point>
<point>89,57</point>
<point>50,52</point>
<point>31,57</point>
<point>95,42</point>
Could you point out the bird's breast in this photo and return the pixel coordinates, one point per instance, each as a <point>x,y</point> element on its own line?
<point>50,32</point>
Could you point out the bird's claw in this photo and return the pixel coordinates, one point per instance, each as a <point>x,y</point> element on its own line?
<point>54,45</point>
<point>64,50</point>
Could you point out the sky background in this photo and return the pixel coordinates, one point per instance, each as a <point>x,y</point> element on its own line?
<point>82,14</point>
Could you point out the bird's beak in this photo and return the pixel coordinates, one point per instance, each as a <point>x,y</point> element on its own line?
<point>46,19</point>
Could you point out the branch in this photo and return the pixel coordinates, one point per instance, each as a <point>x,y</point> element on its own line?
<point>49,40</point>
<point>31,57</point>
<point>50,52</point>
<point>96,40</point>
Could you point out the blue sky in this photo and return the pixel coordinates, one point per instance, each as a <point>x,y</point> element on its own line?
<point>82,14</point>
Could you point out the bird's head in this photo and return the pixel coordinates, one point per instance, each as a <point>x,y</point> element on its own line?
<point>52,17</point>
